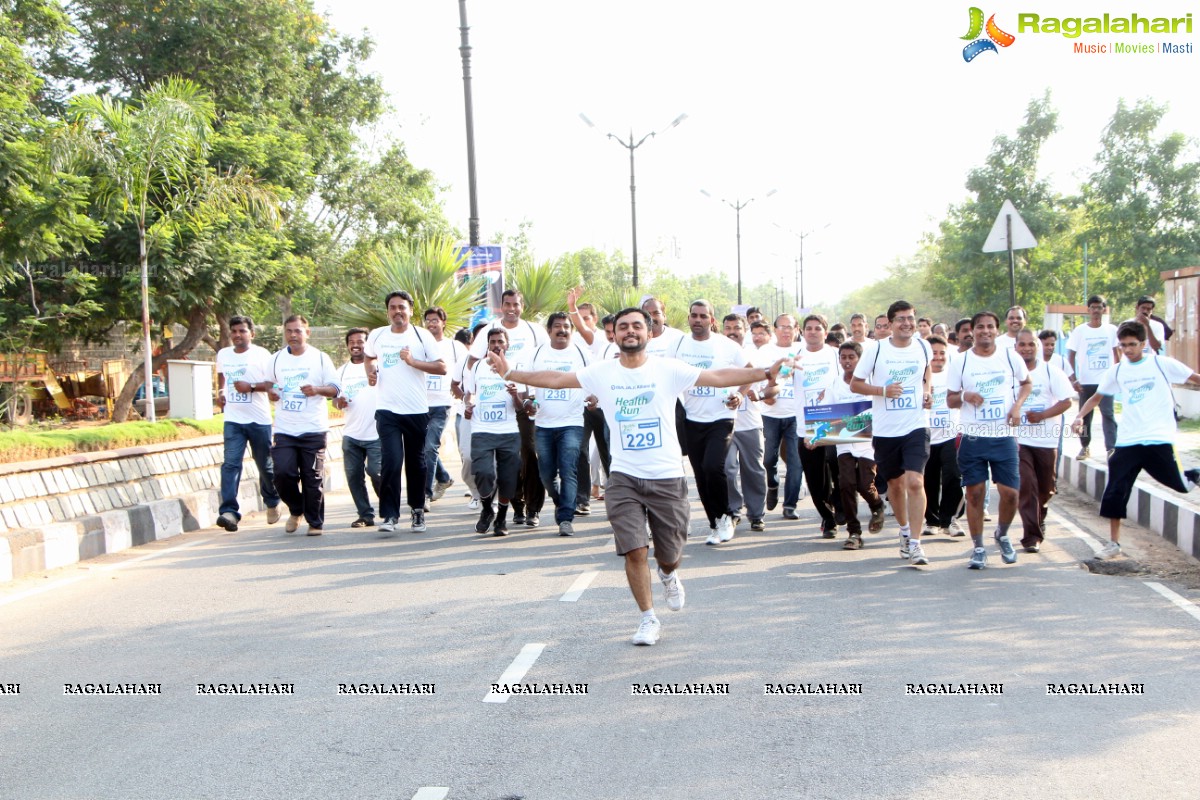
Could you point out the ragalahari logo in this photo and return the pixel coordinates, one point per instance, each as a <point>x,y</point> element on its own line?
<point>995,36</point>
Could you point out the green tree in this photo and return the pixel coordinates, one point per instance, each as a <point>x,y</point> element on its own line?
<point>148,159</point>
<point>543,287</point>
<point>1142,204</point>
<point>964,277</point>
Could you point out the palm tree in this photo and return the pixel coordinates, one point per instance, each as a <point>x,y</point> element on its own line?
<point>543,286</point>
<point>425,269</point>
<point>148,162</point>
<point>613,300</point>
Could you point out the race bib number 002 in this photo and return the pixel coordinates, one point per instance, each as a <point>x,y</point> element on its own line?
<point>494,412</point>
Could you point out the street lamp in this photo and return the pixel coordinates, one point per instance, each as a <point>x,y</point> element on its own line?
<point>737,206</point>
<point>631,146</point>
<point>800,260</point>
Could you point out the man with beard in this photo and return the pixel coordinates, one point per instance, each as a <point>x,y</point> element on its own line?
<point>638,393</point>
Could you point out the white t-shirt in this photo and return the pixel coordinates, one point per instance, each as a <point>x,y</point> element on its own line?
<point>707,403</point>
<point>559,408</point>
<point>1147,403</point>
<point>295,413</point>
<point>245,407</point>
<point>1060,361</point>
<point>609,350</point>
<point>639,405</point>
<point>1005,341</point>
<point>664,345</point>
<point>401,388</point>
<point>817,372</point>
<point>943,420</point>
<point>521,341</point>
<point>996,378</point>
<point>360,394</point>
<point>437,387</point>
<point>1050,385</point>
<point>884,363</point>
<point>495,410</point>
<point>785,401</point>
<point>1159,332</point>
<point>1093,349</point>
<point>840,393</point>
<point>749,413</point>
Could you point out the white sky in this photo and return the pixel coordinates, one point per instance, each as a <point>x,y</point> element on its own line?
<point>862,115</point>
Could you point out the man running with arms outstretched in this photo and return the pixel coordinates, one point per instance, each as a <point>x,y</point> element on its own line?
<point>637,393</point>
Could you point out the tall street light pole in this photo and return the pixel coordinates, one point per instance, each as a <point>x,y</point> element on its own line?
<point>631,146</point>
<point>465,50</point>
<point>737,206</point>
<point>800,260</point>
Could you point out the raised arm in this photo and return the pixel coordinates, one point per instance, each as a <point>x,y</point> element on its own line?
<point>543,378</point>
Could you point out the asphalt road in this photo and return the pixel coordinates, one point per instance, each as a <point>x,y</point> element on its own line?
<point>455,610</point>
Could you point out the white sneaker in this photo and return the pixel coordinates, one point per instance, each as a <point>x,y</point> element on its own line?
<point>929,530</point>
<point>916,555</point>
<point>1111,550</point>
<point>474,504</point>
<point>955,529</point>
<point>439,488</point>
<point>724,528</point>
<point>292,524</point>
<point>674,590</point>
<point>388,525</point>
<point>713,538</point>
<point>904,542</point>
<point>647,632</point>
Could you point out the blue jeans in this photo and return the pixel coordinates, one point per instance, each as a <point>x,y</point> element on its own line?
<point>775,431</point>
<point>434,469</point>
<point>359,457</point>
<point>558,466</point>
<point>237,436</point>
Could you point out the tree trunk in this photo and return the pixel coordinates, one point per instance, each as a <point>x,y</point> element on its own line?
<point>197,329</point>
<point>149,379</point>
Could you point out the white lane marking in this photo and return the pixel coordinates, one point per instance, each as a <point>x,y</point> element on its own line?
<point>579,586</point>
<point>1076,531</point>
<point>148,556</point>
<point>431,793</point>
<point>12,598</point>
<point>516,670</point>
<point>1187,605</point>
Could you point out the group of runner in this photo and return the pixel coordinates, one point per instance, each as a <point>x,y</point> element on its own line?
<point>952,410</point>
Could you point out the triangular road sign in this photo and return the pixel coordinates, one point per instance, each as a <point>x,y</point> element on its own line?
<point>997,240</point>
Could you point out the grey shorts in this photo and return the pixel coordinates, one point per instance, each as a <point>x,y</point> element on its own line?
<point>628,501</point>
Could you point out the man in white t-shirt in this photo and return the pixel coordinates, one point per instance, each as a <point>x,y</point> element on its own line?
<point>523,338</point>
<point>745,476</point>
<point>895,373</point>
<point>1091,350</point>
<point>818,368</point>
<point>558,415</point>
<point>361,455</point>
<point>299,378</point>
<point>858,327</point>
<point>990,385</point>
<point>856,462</point>
<point>943,483</point>
<point>247,422</point>
<point>437,387</point>
<point>1038,437</point>
<point>598,335</point>
<point>647,485</point>
<point>780,426</point>
<point>399,357</point>
<point>1148,429</point>
<point>491,406</point>
<point>1014,321</point>
<point>708,416</point>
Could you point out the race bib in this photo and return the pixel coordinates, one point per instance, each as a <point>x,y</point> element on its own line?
<point>641,434</point>
<point>433,383</point>
<point>703,391</point>
<point>940,419</point>
<point>992,409</point>
<point>549,395</point>
<point>493,412</point>
<point>787,392</point>
<point>293,402</point>
<point>905,402</point>
<point>237,397</point>
<point>1026,409</point>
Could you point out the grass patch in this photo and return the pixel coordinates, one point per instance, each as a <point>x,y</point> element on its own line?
<point>34,444</point>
